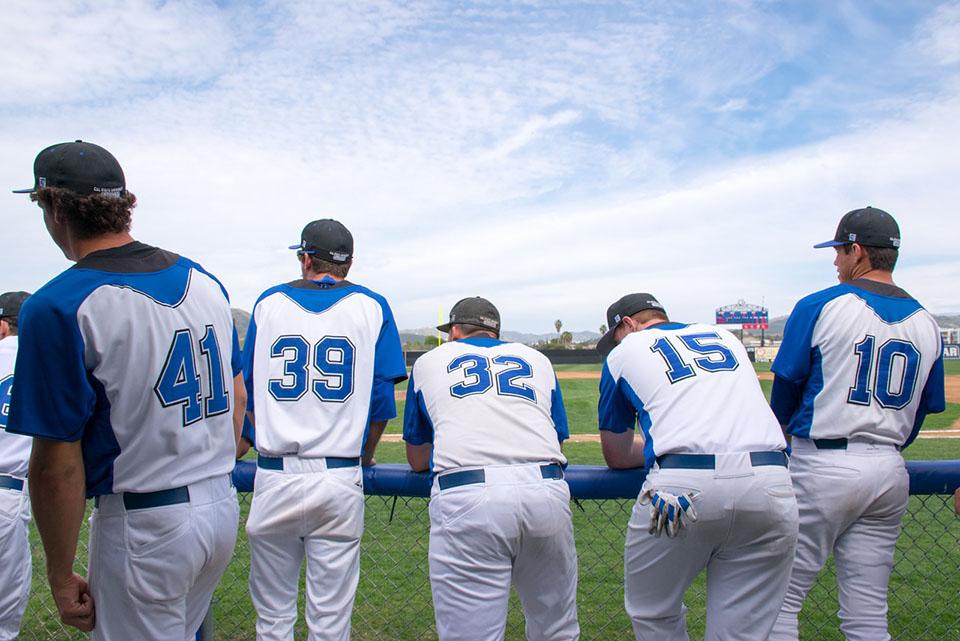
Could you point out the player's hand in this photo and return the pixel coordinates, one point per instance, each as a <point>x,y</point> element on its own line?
<point>669,513</point>
<point>368,461</point>
<point>74,602</point>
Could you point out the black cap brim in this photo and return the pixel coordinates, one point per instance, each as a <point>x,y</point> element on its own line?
<point>29,190</point>
<point>607,342</point>
<point>445,328</point>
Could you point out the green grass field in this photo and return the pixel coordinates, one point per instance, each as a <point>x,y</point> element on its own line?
<point>393,600</point>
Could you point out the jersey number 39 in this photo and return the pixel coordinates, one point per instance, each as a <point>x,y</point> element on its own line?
<point>333,358</point>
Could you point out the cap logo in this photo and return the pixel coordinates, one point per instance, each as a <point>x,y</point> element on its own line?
<point>617,318</point>
<point>895,242</point>
<point>852,237</point>
<point>489,321</point>
<point>338,256</point>
<point>42,181</point>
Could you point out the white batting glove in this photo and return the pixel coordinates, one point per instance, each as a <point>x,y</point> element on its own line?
<point>668,512</point>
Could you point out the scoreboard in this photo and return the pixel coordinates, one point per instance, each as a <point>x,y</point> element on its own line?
<point>745,315</point>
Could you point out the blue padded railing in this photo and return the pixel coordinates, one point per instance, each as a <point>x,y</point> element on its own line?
<point>593,481</point>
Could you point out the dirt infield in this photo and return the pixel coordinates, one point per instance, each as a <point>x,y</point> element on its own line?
<point>579,375</point>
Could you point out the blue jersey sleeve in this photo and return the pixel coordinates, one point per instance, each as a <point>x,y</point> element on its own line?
<point>559,413</point>
<point>383,404</point>
<point>389,363</point>
<point>615,411</point>
<point>795,356</point>
<point>417,426</point>
<point>785,398</point>
<point>53,397</point>
<point>248,349</point>
<point>932,399</point>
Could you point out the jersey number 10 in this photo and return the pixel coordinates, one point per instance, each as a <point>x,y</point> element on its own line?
<point>882,361</point>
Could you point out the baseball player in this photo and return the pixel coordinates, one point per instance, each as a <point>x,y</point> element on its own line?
<point>487,418</point>
<point>860,366</point>
<point>322,356</point>
<point>15,563</point>
<point>128,378</point>
<point>717,494</point>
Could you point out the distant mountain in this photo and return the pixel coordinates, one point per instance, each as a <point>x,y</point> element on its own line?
<point>777,324</point>
<point>417,335</point>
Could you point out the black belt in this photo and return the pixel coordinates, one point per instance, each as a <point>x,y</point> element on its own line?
<point>830,443</point>
<point>709,461</point>
<point>11,482</point>
<point>333,462</point>
<point>469,477</point>
<point>160,498</point>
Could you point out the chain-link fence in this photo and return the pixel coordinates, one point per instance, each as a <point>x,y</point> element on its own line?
<point>393,599</point>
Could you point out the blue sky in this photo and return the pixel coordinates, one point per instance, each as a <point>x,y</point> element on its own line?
<point>550,156</point>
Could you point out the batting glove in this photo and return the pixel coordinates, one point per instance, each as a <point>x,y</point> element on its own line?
<point>669,513</point>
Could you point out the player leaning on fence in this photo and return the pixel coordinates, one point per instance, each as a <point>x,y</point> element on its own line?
<point>717,483</point>
<point>321,358</point>
<point>127,377</point>
<point>486,416</point>
<point>860,366</point>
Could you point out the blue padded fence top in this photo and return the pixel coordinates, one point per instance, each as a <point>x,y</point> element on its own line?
<point>593,481</point>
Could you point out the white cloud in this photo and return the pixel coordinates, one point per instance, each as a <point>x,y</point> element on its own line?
<point>61,52</point>
<point>514,151</point>
<point>939,35</point>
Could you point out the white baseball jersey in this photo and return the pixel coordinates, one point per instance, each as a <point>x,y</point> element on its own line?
<point>14,448</point>
<point>650,376</point>
<point>859,360</point>
<point>130,351</point>
<point>320,361</point>
<point>482,401</point>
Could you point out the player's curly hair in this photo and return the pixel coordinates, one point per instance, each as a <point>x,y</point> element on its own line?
<point>89,216</point>
<point>320,266</point>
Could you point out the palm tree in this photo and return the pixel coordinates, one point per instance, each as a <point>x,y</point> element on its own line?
<point>558,324</point>
<point>603,330</point>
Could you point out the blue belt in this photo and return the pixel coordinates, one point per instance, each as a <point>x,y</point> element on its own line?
<point>11,483</point>
<point>709,461</point>
<point>276,462</point>
<point>160,498</point>
<point>469,477</point>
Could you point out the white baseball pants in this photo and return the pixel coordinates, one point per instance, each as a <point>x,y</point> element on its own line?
<point>851,504</point>
<point>514,528</point>
<point>305,510</point>
<point>15,561</point>
<point>744,537</point>
<point>152,571</point>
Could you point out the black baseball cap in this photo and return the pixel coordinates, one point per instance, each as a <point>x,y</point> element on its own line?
<point>869,226</point>
<point>82,167</point>
<point>626,306</point>
<point>475,311</point>
<point>11,302</point>
<point>327,239</point>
